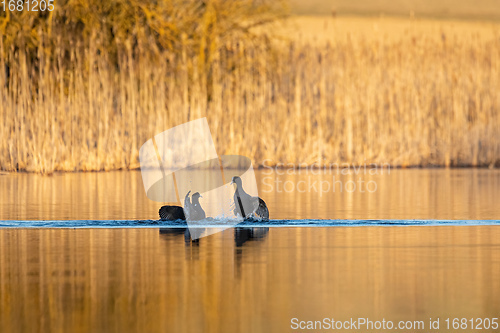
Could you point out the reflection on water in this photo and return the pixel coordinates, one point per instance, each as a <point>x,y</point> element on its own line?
<point>242,280</point>
<point>400,194</point>
<point>241,235</point>
<point>248,279</point>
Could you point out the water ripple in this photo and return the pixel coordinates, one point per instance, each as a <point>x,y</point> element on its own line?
<point>225,223</point>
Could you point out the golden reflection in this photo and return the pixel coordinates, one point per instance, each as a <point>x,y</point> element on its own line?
<point>146,280</point>
<point>399,194</point>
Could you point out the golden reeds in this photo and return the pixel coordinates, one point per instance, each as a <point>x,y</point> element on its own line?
<point>413,101</point>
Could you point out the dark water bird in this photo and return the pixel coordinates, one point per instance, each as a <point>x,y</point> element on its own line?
<point>172,213</point>
<point>246,205</point>
<point>193,210</point>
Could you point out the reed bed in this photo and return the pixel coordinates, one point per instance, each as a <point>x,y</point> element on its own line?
<point>413,101</point>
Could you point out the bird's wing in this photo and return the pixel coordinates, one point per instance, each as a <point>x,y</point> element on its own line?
<point>262,210</point>
<point>187,202</point>
<point>255,203</point>
<point>188,207</point>
<point>171,213</point>
<point>249,203</point>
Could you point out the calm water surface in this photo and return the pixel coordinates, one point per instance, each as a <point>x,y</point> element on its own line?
<point>465,194</point>
<point>157,279</point>
<point>243,280</point>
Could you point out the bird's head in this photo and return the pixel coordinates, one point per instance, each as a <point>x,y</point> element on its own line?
<point>196,196</point>
<point>236,180</point>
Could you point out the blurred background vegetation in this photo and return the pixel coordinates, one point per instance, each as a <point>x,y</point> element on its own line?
<point>442,9</point>
<point>154,25</point>
<point>85,85</point>
<point>197,28</point>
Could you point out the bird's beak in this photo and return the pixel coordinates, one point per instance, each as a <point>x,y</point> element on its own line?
<point>231,183</point>
<point>201,196</point>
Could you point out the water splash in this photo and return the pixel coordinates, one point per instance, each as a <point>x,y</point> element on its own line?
<point>222,223</point>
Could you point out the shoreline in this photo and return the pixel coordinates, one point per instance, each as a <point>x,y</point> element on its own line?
<point>313,166</point>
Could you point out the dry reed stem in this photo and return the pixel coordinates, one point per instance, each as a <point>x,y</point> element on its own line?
<point>416,101</point>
